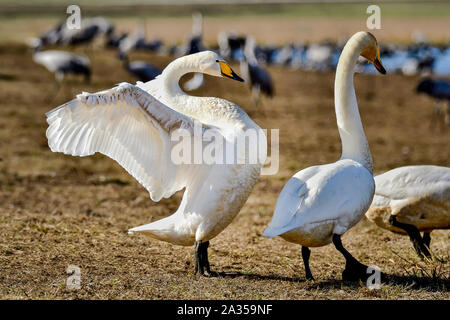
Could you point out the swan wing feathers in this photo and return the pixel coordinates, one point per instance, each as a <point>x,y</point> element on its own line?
<point>401,186</point>
<point>341,192</point>
<point>128,125</point>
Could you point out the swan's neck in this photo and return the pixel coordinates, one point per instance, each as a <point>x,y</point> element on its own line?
<point>354,142</point>
<point>174,71</point>
<point>178,99</point>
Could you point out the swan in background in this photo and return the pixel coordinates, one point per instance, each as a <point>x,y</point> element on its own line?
<point>134,124</point>
<point>412,199</point>
<point>320,203</point>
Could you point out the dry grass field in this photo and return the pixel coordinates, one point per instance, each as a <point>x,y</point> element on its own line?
<point>57,210</point>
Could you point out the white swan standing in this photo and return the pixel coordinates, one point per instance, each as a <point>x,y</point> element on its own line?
<point>133,125</point>
<point>412,199</point>
<point>320,203</point>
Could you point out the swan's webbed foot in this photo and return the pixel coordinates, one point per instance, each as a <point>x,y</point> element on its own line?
<point>354,270</point>
<point>306,252</point>
<point>421,245</point>
<point>201,259</point>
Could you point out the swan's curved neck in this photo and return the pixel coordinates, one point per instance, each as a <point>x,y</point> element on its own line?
<point>173,73</point>
<point>175,97</point>
<point>354,142</point>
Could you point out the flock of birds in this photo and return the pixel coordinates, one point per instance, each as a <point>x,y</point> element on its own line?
<point>61,62</point>
<point>419,58</point>
<point>132,124</point>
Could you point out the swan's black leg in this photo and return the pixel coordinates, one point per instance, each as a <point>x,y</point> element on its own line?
<point>305,255</point>
<point>206,268</point>
<point>201,259</point>
<point>426,239</point>
<point>354,270</point>
<point>197,257</point>
<point>414,236</point>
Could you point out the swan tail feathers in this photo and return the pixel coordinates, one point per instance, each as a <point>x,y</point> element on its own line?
<point>164,230</point>
<point>273,232</point>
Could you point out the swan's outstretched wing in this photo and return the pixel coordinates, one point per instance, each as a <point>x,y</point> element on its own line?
<point>339,192</point>
<point>128,125</point>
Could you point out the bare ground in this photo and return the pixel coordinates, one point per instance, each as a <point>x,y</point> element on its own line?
<point>57,210</point>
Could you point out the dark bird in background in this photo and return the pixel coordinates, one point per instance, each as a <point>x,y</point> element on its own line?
<point>195,41</point>
<point>60,62</point>
<point>231,45</point>
<point>440,91</point>
<point>140,69</point>
<point>52,36</point>
<point>256,76</point>
<point>138,41</point>
<point>113,39</point>
<point>90,29</point>
<point>195,44</point>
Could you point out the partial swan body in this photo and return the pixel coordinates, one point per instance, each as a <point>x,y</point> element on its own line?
<point>313,204</point>
<point>412,199</point>
<point>134,124</point>
<point>320,203</point>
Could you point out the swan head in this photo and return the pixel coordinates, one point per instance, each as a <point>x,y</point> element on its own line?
<point>371,51</point>
<point>211,63</point>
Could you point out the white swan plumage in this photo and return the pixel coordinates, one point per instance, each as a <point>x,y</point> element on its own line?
<point>320,203</point>
<point>412,199</point>
<point>132,124</point>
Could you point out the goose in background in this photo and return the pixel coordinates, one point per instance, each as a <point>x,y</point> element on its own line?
<point>258,78</point>
<point>320,203</point>
<point>134,126</point>
<point>140,69</point>
<point>410,200</point>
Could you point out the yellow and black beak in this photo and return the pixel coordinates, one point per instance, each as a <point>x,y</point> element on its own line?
<point>379,66</point>
<point>377,63</point>
<point>226,71</point>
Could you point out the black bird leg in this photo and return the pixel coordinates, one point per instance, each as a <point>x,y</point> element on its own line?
<point>201,259</point>
<point>354,270</point>
<point>426,239</point>
<point>305,255</point>
<point>414,236</point>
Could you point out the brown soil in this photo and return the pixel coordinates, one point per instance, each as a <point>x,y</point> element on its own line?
<point>57,210</point>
